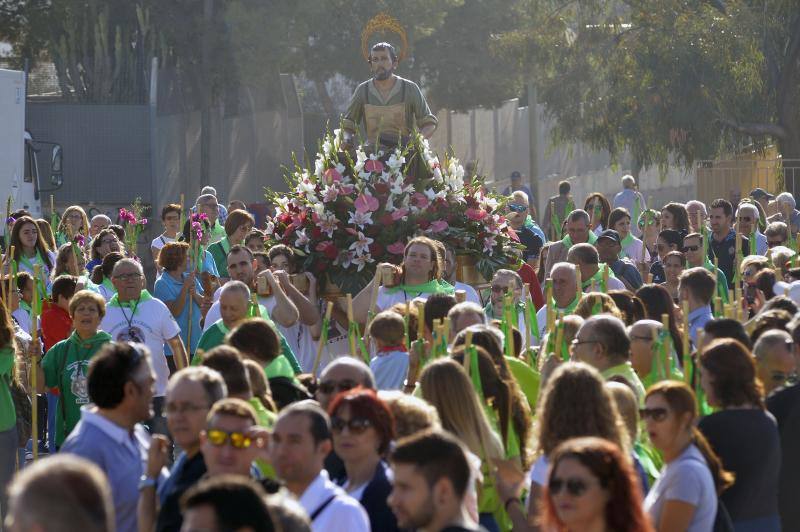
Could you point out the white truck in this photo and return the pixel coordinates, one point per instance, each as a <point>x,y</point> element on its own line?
<point>21,157</point>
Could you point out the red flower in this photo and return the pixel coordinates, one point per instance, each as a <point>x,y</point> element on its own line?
<point>373,166</point>
<point>316,233</point>
<point>476,215</point>
<point>423,224</point>
<point>386,219</point>
<point>376,249</point>
<point>381,188</point>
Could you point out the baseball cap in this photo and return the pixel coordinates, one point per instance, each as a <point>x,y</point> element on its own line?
<point>611,235</point>
<point>758,193</point>
<point>515,175</point>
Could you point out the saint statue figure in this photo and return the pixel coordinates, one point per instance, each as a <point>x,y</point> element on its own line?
<point>387,106</point>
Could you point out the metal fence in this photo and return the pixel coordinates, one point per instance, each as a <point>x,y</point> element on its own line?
<point>734,179</point>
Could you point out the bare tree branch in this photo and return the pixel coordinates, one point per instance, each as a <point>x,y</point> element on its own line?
<point>755,129</point>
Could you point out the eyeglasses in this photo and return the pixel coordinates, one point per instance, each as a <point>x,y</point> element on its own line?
<point>74,216</point>
<point>357,425</point>
<point>499,288</point>
<point>128,276</point>
<point>657,414</point>
<point>329,387</point>
<point>517,208</point>
<point>642,338</point>
<point>687,249</point>
<point>188,408</point>
<point>218,438</point>
<point>575,486</point>
<point>576,342</point>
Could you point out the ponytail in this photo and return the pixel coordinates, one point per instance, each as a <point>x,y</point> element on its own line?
<point>722,479</point>
<point>97,274</point>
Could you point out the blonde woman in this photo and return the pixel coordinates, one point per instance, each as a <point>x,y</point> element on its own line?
<point>73,222</point>
<point>593,303</point>
<point>446,386</point>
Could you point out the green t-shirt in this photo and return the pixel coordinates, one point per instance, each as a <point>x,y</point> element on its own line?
<point>626,371</point>
<point>211,338</point>
<point>66,366</point>
<point>8,414</point>
<point>527,378</point>
<point>217,232</point>
<point>219,252</point>
<point>280,367</point>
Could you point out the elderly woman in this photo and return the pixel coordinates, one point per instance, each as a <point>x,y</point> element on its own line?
<point>787,212</point>
<point>66,364</point>
<point>176,287</point>
<point>363,428</point>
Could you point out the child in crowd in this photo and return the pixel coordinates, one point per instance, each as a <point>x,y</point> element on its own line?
<point>390,364</point>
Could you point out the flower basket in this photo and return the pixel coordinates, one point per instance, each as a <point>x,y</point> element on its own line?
<point>353,210</point>
<point>467,270</point>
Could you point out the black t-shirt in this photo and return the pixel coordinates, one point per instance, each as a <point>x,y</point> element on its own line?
<point>747,442</point>
<point>181,479</point>
<point>784,404</point>
<point>725,252</point>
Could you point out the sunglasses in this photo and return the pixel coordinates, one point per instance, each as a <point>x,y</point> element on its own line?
<point>329,387</point>
<point>687,249</point>
<point>656,414</point>
<point>574,486</point>
<point>218,438</point>
<point>517,208</point>
<point>356,425</point>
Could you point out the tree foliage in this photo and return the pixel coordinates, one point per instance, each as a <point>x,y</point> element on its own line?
<point>670,80</point>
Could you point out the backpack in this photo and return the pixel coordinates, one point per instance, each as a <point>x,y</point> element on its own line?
<point>722,521</point>
<point>23,407</point>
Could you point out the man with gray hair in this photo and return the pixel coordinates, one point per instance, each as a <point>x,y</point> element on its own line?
<point>505,281</point>
<point>133,315</point>
<point>631,199</point>
<point>787,212</point>
<point>234,306</point>
<point>207,204</point>
<point>697,215</point>
<point>61,492</point>
<point>775,360</point>
<point>98,223</point>
<point>462,315</point>
<point>593,278</point>
<point>777,234</point>
<point>565,289</point>
<point>578,232</point>
<point>747,214</point>
<point>602,342</point>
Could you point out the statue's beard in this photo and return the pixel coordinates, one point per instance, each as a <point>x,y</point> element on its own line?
<point>383,74</point>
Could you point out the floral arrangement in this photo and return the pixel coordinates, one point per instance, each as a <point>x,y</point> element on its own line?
<point>346,215</point>
<point>198,225</point>
<point>134,222</point>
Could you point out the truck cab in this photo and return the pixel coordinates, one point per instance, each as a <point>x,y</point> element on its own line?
<point>29,167</point>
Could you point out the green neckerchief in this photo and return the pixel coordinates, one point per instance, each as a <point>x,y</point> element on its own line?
<point>279,367</point>
<point>133,304</point>
<point>489,310</point>
<point>528,222</point>
<point>89,344</point>
<point>27,262</point>
<point>434,286</point>
<point>567,241</point>
<point>661,368</point>
<point>219,324</point>
<point>354,332</point>
<point>40,281</point>
<point>627,241</point>
<point>109,285</point>
<point>598,278</point>
<point>25,306</point>
<point>569,309</point>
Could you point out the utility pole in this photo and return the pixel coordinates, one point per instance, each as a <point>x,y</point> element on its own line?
<point>206,88</point>
<point>533,145</point>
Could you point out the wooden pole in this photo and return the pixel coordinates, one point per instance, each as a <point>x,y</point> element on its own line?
<point>373,301</point>
<point>527,294</point>
<point>559,336</point>
<point>579,289</point>
<point>687,355</point>
<point>322,338</point>
<point>350,337</point>
<point>34,332</point>
<point>550,302</point>
<point>665,352</point>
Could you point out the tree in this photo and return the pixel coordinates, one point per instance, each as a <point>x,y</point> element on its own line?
<point>669,80</point>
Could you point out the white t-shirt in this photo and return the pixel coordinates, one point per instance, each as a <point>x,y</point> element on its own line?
<point>23,318</point>
<point>539,471</point>
<point>686,479</point>
<point>105,292</point>
<point>160,241</point>
<point>343,513</point>
<point>152,325</point>
<point>634,251</point>
<point>386,300</point>
<point>390,370</point>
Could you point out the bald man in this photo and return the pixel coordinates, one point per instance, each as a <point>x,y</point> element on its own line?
<point>774,359</point>
<point>565,290</point>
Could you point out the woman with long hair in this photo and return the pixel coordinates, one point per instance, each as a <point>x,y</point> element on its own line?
<point>620,221</point>
<point>30,249</point>
<point>742,433</point>
<point>575,403</point>
<point>657,302</point>
<point>419,276</point>
<point>592,303</point>
<point>599,210</point>
<point>685,495</point>
<point>73,222</point>
<point>446,386</point>
<point>650,224</point>
<point>675,216</point>
<point>68,262</point>
<point>46,233</point>
<point>9,375</point>
<point>674,264</point>
<point>363,427</point>
<point>101,275</point>
<point>592,487</point>
<point>629,305</point>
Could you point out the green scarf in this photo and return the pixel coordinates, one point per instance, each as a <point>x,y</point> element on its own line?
<point>569,309</point>
<point>627,241</point>
<point>132,304</point>
<point>434,286</point>
<point>89,345</point>
<point>25,306</point>
<point>598,278</point>
<point>567,241</point>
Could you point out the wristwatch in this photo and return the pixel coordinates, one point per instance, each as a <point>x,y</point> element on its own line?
<point>146,482</point>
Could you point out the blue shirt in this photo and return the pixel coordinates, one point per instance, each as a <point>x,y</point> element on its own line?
<point>209,265</point>
<point>168,289</point>
<point>390,370</point>
<point>121,454</point>
<point>697,320</point>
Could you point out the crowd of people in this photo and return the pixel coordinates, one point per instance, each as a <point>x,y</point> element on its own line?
<point>635,371</point>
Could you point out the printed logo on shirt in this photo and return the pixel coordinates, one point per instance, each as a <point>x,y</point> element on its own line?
<point>78,383</point>
<point>131,334</point>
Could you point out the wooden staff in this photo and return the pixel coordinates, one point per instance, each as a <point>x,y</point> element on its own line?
<point>183,214</point>
<point>11,277</point>
<point>649,278</point>
<point>467,345</point>
<point>559,335</point>
<point>579,290</point>
<point>527,316</point>
<point>644,236</point>
<point>254,301</point>
<point>34,332</point>
<point>350,337</point>
<point>687,355</point>
<point>737,253</point>
<point>407,320</point>
<point>654,364</point>
<point>665,352</point>
<point>604,284</point>
<point>373,302</point>
<point>446,328</point>
<point>420,320</point>
<point>322,338</point>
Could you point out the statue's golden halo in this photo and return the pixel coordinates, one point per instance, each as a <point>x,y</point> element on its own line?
<point>383,22</point>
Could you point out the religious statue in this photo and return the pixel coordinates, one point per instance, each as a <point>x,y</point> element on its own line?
<point>388,106</point>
